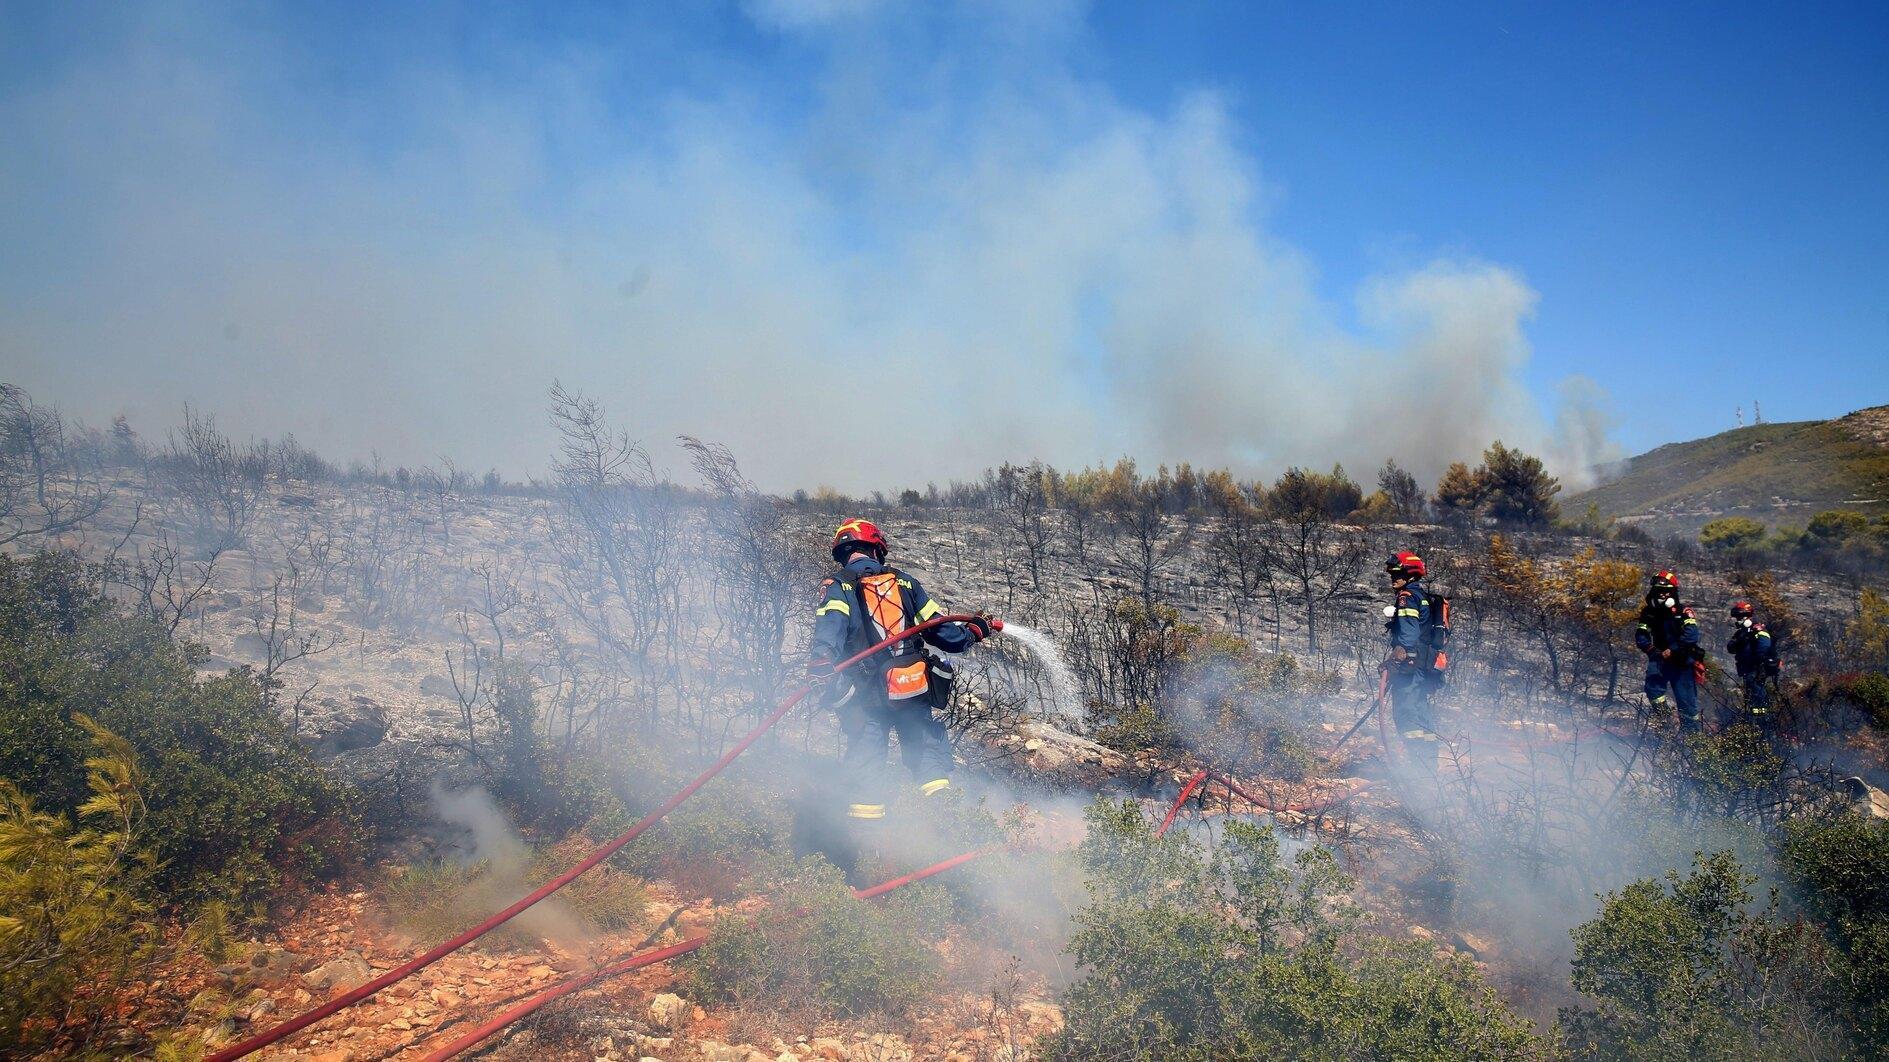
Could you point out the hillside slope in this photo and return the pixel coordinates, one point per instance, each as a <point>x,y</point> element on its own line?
<point>1777,473</point>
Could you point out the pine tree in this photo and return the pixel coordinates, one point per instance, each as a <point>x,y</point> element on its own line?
<point>1516,487</point>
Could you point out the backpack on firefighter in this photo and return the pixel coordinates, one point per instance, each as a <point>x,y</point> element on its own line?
<point>909,670</point>
<point>1436,634</point>
<point>1432,656</point>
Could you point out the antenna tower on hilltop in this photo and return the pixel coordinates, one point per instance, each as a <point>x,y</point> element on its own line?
<point>1756,416</point>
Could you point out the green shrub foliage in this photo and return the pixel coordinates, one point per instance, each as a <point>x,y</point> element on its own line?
<point>1678,968</point>
<point>1731,534</point>
<point>233,803</point>
<point>817,947</point>
<point>1231,952</point>
<point>71,912</point>
<point>1840,865</point>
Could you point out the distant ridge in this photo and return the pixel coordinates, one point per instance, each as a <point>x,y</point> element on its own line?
<point>1777,473</point>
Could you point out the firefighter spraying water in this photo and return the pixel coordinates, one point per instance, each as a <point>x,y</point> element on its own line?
<point>898,689</point>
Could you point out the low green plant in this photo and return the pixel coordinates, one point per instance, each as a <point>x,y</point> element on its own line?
<point>1732,534</point>
<point>1209,694</point>
<point>436,899</point>
<point>234,806</point>
<point>73,925</point>
<point>605,899</point>
<point>544,788</point>
<point>712,840</point>
<point>815,947</point>
<point>429,899</point>
<point>1869,692</point>
<point>1839,864</point>
<point>1864,643</point>
<point>1230,952</point>
<point>1732,772</point>
<point>1678,968</point>
<point>1244,710</point>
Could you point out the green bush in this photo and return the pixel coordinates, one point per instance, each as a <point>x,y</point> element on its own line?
<point>1677,969</point>
<point>437,899</point>
<point>1840,865</point>
<point>234,804</point>
<point>1732,772</point>
<point>1230,953</point>
<point>815,947</point>
<point>1870,692</point>
<point>709,843</point>
<point>73,928</point>
<point>1836,525</point>
<point>1864,642</point>
<point>545,789</point>
<point>1731,534</point>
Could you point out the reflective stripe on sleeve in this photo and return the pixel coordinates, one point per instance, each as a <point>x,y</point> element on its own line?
<point>931,609</point>
<point>838,606</point>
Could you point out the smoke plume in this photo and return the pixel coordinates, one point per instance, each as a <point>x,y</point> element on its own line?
<point>402,249</point>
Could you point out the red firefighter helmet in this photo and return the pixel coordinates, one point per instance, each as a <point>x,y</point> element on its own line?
<point>1665,580</point>
<point>1741,609</point>
<point>855,535</point>
<point>1406,564</point>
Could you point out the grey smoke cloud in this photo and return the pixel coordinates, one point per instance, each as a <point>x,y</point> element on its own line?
<point>1032,266</point>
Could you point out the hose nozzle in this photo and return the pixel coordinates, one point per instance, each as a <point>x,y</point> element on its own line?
<point>996,624</point>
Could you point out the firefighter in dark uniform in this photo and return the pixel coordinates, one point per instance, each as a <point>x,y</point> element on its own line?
<point>1412,674</point>
<point>1669,636</point>
<point>896,689</point>
<point>1754,653</point>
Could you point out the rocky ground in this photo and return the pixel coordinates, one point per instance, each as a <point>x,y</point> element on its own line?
<point>341,939</point>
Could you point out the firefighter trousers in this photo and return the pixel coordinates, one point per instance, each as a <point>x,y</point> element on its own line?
<point>1674,677</point>
<point>1757,691</point>
<point>1413,714</point>
<point>924,746</point>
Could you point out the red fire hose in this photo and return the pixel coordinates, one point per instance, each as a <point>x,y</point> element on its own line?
<point>439,951</point>
<point>649,958</point>
<point>1186,791</point>
<point>1296,806</point>
<point>1204,774</point>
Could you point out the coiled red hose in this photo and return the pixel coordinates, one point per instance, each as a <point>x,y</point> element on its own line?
<point>492,1027</point>
<point>445,948</point>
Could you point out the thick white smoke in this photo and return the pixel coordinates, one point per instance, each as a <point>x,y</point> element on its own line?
<point>202,209</point>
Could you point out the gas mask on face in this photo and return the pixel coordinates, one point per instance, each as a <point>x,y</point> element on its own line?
<point>1668,602</point>
<point>1746,622</point>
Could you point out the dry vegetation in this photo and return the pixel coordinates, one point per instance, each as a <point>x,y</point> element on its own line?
<point>341,655</point>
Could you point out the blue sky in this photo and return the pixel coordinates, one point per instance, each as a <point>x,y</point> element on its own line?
<point>1255,234</point>
<point>1700,187</point>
